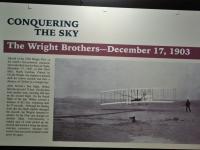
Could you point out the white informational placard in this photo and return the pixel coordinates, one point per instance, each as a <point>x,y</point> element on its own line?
<point>78,76</point>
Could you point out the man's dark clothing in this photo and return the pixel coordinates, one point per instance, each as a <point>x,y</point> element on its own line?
<point>187,104</point>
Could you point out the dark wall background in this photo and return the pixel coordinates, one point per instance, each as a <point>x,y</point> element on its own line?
<point>151,4</point>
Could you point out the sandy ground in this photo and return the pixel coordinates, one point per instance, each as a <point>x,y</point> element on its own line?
<point>86,120</point>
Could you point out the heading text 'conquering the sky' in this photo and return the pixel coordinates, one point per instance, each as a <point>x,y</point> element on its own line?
<point>37,23</point>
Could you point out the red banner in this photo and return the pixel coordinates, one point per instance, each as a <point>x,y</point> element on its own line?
<point>94,49</point>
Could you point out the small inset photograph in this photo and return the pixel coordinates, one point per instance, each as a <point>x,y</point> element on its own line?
<point>98,100</point>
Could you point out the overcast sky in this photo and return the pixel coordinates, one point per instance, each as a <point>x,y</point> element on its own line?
<point>86,78</point>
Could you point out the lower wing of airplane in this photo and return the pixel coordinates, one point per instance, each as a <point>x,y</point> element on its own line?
<point>138,102</point>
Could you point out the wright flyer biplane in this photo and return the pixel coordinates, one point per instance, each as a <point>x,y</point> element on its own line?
<point>138,95</point>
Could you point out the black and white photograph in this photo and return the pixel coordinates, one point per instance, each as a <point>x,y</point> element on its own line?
<point>136,101</point>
